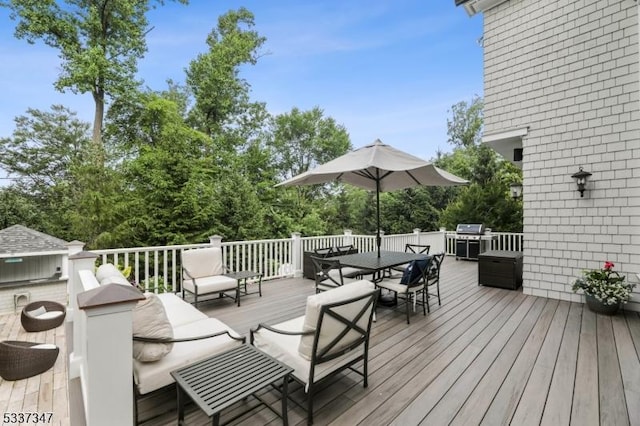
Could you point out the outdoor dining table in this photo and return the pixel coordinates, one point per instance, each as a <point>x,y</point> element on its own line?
<point>369,260</point>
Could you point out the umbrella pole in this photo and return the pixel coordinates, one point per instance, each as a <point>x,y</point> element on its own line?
<point>378,238</point>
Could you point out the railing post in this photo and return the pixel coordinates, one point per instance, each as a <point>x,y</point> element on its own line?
<point>443,232</point>
<point>347,240</point>
<point>416,233</point>
<point>67,272</point>
<point>107,372</point>
<point>296,254</point>
<point>216,241</point>
<point>82,260</point>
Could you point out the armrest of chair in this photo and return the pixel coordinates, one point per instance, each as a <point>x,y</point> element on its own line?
<point>279,331</point>
<point>188,339</point>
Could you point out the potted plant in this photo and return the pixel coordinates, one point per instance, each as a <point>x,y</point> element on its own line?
<point>604,289</point>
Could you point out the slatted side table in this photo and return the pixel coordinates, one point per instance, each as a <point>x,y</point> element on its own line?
<point>242,277</point>
<point>222,380</point>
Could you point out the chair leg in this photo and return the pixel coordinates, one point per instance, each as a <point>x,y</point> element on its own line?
<point>424,312</point>
<point>310,405</point>
<point>407,301</point>
<point>438,288</point>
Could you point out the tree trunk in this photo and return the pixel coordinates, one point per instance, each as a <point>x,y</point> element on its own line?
<point>98,119</point>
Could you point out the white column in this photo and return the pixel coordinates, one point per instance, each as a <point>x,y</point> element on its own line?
<point>107,370</point>
<point>81,261</point>
<point>296,254</point>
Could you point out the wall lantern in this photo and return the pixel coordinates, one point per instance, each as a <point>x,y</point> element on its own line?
<point>581,180</point>
<point>516,190</point>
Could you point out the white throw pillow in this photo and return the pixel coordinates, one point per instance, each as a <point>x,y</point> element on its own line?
<point>50,315</point>
<point>150,320</point>
<point>37,312</point>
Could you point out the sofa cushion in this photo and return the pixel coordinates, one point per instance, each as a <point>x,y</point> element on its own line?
<point>331,327</point>
<point>178,311</point>
<point>107,270</point>
<point>284,348</point>
<point>155,375</point>
<point>211,284</point>
<point>150,320</point>
<point>202,262</point>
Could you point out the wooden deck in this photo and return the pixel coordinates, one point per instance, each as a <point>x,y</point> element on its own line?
<point>486,356</point>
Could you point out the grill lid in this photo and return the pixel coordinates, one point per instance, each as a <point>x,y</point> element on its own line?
<point>470,229</point>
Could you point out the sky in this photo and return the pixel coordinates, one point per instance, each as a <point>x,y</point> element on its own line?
<point>384,69</point>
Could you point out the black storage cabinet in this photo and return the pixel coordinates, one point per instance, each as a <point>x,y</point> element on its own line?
<point>501,269</point>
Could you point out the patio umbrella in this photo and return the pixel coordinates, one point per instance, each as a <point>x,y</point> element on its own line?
<point>377,167</point>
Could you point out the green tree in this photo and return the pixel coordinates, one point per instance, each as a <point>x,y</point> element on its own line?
<point>221,96</point>
<point>300,141</point>
<point>99,42</point>
<point>48,153</point>
<point>487,200</point>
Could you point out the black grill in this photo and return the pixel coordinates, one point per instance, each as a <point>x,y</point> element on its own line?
<point>469,241</point>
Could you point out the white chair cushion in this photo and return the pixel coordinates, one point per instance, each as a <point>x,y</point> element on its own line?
<point>150,320</point>
<point>211,284</point>
<point>155,375</point>
<point>203,262</point>
<point>394,285</point>
<point>44,346</point>
<point>284,348</point>
<point>178,311</point>
<point>331,327</point>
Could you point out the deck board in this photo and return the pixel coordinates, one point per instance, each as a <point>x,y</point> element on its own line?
<point>486,355</point>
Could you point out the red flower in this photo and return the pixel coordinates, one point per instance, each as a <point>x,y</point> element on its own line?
<point>608,265</point>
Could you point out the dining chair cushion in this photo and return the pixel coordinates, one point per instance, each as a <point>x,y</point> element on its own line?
<point>413,271</point>
<point>150,320</point>
<point>331,327</point>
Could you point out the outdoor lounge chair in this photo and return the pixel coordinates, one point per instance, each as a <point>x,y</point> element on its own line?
<point>203,274</point>
<point>21,360</point>
<point>42,315</point>
<point>332,335</point>
<point>411,285</point>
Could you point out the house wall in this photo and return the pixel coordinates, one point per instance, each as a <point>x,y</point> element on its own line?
<point>568,69</point>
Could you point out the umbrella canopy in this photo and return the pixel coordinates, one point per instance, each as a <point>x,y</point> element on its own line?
<point>377,167</point>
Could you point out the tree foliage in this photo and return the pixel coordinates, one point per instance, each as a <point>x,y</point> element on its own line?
<point>200,159</point>
<point>99,42</point>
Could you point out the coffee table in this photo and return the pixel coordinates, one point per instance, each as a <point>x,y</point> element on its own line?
<point>222,380</point>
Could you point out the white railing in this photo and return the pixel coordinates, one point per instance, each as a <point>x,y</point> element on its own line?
<point>158,268</point>
<point>511,241</point>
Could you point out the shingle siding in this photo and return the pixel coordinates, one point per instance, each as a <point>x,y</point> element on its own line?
<point>569,71</point>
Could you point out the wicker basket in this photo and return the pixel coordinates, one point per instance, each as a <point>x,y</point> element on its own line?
<point>31,323</point>
<point>19,361</point>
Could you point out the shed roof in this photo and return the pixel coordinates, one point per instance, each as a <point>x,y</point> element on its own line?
<point>20,240</point>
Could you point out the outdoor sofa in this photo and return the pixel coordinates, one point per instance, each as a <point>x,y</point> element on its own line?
<point>168,334</point>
